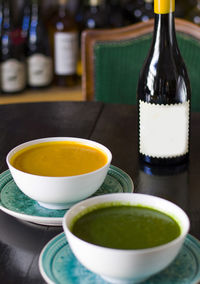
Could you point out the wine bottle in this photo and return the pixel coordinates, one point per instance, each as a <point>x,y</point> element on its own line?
<point>64,41</point>
<point>39,60</point>
<point>26,11</point>
<point>79,14</point>
<point>94,15</point>
<point>13,76</point>
<point>1,16</point>
<point>164,95</point>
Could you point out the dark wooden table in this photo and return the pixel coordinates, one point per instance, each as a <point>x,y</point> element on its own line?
<point>115,126</point>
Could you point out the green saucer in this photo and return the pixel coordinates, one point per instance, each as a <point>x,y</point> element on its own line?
<point>58,265</point>
<point>17,204</point>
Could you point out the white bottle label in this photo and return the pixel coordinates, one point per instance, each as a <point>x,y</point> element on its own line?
<point>13,78</point>
<point>163,129</point>
<point>40,70</point>
<point>66,53</point>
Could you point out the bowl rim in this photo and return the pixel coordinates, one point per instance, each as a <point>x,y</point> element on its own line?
<point>61,138</point>
<point>181,237</point>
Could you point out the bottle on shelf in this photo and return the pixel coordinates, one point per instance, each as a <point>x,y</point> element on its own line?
<point>1,16</point>
<point>138,11</point>
<point>73,6</point>
<point>92,15</point>
<point>13,67</point>
<point>95,16</point>
<point>147,11</point>
<point>164,95</point>
<point>115,14</point>
<point>39,60</point>
<point>63,32</point>
<point>194,14</point>
<point>26,14</point>
<point>79,14</point>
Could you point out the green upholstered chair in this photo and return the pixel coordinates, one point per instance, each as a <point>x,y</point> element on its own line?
<point>112,60</point>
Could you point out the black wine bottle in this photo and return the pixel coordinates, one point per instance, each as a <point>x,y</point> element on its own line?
<point>39,60</point>
<point>164,95</point>
<point>13,67</point>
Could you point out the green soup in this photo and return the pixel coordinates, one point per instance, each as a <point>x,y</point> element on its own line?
<point>126,227</point>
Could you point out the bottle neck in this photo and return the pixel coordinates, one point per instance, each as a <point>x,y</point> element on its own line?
<point>164,31</point>
<point>62,8</point>
<point>35,10</point>
<point>7,15</point>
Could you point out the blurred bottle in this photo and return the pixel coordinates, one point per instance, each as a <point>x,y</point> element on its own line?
<point>90,15</point>
<point>194,14</point>
<point>1,20</point>
<point>94,16</point>
<point>138,11</point>
<point>1,16</point>
<point>128,8</point>
<point>26,14</point>
<point>115,14</point>
<point>64,41</point>
<point>47,7</point>
<point>73,6</point>
<point>79,14</point>
<point>13,74</point>
<point>39,60</point>
<point>147,11</point>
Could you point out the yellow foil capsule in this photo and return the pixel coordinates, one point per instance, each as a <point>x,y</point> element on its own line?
<point>164,6</point>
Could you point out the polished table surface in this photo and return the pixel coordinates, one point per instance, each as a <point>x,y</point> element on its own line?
<point>115,126</point>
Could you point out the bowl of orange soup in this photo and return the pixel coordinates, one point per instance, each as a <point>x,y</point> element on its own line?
<point>59,171</point>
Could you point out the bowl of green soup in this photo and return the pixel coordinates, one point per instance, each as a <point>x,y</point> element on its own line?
<point>59,171</point>
<point>125,237</point>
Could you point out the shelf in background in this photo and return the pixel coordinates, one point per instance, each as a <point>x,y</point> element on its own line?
<point>44,95</point>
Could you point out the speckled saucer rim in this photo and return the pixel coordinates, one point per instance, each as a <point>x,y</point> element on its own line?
<point>54,221</point>
<point>190,241</point>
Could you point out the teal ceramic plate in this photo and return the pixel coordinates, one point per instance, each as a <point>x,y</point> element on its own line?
<point>58,265</point>
<point>17,204</point>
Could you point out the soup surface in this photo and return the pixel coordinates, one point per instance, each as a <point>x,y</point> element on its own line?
<point>126,227</point>
<point>60,158</point>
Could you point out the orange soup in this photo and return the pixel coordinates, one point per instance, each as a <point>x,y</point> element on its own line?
<point>59,158</point>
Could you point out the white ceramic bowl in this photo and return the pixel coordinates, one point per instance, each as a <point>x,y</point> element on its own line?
<point>126,266</point>
<point>59,192</point>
